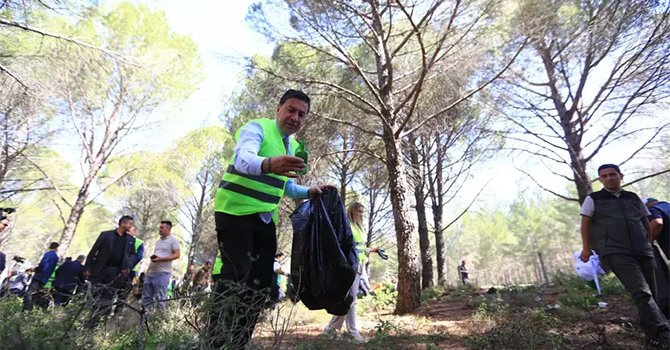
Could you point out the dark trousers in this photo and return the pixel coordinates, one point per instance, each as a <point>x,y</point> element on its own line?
<point>637,274</point>
<point>247,246</point>
<point>123,293</point>
<point>62,295</point>
<point>34,293</point>
<point>105,287</point>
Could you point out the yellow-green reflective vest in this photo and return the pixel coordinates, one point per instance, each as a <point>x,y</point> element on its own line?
<point>360,243</point>
<point>170,289</point>
<point>51,279</point>
<point>138,243</point>
<point>243,194</point>
<point>218,264</point>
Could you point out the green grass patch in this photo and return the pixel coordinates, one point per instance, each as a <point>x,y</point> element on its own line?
<point>529,330</point>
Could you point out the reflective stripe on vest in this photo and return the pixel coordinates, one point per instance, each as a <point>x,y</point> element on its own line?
<point>51,279</point>
<point>218,264</point>
<point>263,197</point>
<point>243,194</point>
<point>268,180</point>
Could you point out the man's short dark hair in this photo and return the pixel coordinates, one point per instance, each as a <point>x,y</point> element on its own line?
<point>54,245</point>
<point>609,166</point>
<point>290,93</point>
<point>167,222</point>
<point>125,219</point>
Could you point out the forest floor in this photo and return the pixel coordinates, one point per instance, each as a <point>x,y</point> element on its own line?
<point>561,316</point>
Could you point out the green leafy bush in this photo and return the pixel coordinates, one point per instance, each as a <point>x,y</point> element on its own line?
<point>383,301</point>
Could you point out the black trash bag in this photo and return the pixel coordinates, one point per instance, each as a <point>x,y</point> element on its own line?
<point>324,259</point>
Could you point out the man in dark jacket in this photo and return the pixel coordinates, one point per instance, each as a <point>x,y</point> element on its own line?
<point>42,274</point>
<point>615,222</point>
<point>68,276</point>
<point>108,265</point>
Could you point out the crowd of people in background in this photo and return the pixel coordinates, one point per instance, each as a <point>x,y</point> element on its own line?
<point>245,214</point>
<point>615,222</point>
<point>110,272</point>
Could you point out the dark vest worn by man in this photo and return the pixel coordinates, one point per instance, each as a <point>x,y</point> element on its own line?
<point>616,225</point>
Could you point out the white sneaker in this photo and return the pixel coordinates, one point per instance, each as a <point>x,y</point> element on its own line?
<point>358,338</point>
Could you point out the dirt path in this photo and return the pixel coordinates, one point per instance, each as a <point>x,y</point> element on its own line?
<point>452,323</point>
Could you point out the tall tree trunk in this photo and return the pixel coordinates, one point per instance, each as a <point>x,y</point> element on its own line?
<point>73,219</point>
<point>437,199</point>
<point>573,137</point>
<point>409,288</point>
<point>582,179</point>
<point>197,231</point>
<point>545,276</point>
<point>419,196</point>
<point>372,201</point>
<point>196,225</point>
<point>424,241</point>
<point>194,241</point>
<point>577,161</point>
<point>343,187</point>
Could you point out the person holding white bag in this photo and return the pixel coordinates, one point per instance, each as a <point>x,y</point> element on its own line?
<point>615,222</point>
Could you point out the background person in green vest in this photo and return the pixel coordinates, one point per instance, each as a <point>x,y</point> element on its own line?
<point>170,288</point>
<point>279,271</point>
<point>355,213</point>
<point>139,250</point>
<point>257,177</point>
<point>43,272</point>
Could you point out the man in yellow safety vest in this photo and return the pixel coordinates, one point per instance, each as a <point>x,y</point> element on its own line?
<point>258,175</point>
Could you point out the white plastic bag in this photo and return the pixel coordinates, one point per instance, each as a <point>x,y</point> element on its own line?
<point>589,270</point>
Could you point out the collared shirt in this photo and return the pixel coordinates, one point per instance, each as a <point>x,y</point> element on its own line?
<point>247,160</point>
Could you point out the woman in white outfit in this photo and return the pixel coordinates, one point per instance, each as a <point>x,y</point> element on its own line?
<point>355,213</point>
